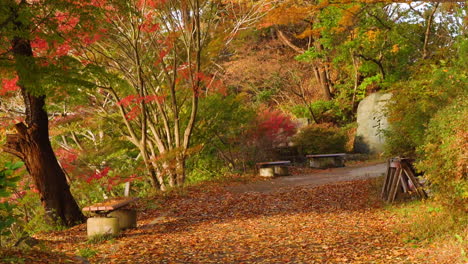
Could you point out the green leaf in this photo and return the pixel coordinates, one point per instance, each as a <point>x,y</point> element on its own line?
<point>14,166</point>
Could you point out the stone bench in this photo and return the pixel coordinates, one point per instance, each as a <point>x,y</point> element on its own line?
<point>274,168</point>
<point>323,161</point>
<point>111,216</point>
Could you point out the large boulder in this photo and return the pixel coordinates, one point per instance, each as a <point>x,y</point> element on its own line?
<point>371,121</point>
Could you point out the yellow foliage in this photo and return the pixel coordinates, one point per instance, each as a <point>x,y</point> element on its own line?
<point>284,16</point>
<point>309,32</point>
<point>289,12</point>
<point>372,35</point>
<point>347,18</point>
<point>395,48</point>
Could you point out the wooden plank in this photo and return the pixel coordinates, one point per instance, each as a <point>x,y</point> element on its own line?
<point>395,185</point>
<point>326,155</point>
<point>273,163</point>
<point>386,181</point>
<point>395,163</point>
<point>110,204</point>
<point>412,177</point>
<point>390,183</point>
<point>412,181</point>
<point>404,184</point>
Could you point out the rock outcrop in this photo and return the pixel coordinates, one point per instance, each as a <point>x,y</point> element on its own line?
<point>371,120</point>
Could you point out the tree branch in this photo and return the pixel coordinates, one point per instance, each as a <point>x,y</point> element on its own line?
<point>286,41</point>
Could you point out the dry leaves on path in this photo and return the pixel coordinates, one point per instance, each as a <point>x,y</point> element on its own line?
<point>339,223</point>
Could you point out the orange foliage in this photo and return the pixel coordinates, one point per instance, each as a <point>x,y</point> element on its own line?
<point>309,32</point>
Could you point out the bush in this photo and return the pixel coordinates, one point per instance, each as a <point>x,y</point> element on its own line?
<point>428,118</point>
<point>219,136</point>
<point>320,139</point>
<point>444,151</point>
<point>329,111</point>
<point>7,185</point>
<point>415,102</point>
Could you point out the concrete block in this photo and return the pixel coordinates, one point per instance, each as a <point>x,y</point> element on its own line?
<point>102,226</point>
<point>281,170</point>
<point>326,162</point>
<point>267,172</point>
<point>127,218</point>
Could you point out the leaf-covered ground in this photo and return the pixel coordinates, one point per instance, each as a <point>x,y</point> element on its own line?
<point>338,223</point>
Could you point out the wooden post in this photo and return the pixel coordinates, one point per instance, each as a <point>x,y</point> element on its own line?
<point>404,183</point>
<point>383,195</point>
<point>415,181</point>
<point>127,189</point>
<point>395,185</point>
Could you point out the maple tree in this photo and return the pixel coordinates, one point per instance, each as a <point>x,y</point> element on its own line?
<point>34,50</point>
<point>158,56</point>
<point>156,66</point>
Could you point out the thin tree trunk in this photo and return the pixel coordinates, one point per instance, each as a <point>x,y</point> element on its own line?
<point>180,171</point>
<point>356,79</point>
<point>323,73</point>
<point>321,79</point>
<point>319,70</point>
<point>32,145</point>
<point>428,31</point>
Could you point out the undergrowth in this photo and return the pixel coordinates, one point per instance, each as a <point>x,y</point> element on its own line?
<point>428,224</point>
<point>97,239</point>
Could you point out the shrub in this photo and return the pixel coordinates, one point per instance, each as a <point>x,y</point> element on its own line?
<point>415,102</point>
<point>271,129</point>
<point>428,118</point>
<point>329,111</point>
<point>444,151</point>
<point>220,136</point>
<point>274,127</point>
<point>320,139</point>
<point>7,184</point>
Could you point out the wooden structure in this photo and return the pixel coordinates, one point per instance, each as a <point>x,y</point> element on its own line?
<point>111,216</point>
<point>109,205</point>
<point>274,168</point>
<point>401,180</point>
<point>323,161</point>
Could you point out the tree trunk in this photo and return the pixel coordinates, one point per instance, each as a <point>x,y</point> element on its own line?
<point>32,145</point>
<point>322,72</point>
<point>321,79</point>
<point>180,171</point>
<point>428,32</point>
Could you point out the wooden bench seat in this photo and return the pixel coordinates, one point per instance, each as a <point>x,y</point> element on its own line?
<point>322,161</point>
<point>110,205</point>
<point>273,168</point>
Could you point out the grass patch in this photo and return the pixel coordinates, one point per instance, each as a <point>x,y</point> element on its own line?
<point>427,221</point>
<point>87,252</point>
<point>428,225</point>
<point>98,239</point>
<point>12,260</point>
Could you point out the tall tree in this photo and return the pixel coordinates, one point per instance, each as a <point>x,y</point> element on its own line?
<point>22,24</point>
<point>162,50</point>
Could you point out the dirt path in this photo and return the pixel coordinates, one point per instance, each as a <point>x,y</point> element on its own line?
<point>339,223</point>
<point>316,178</point>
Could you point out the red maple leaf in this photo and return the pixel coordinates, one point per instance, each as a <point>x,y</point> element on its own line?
<point>9,85</point>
